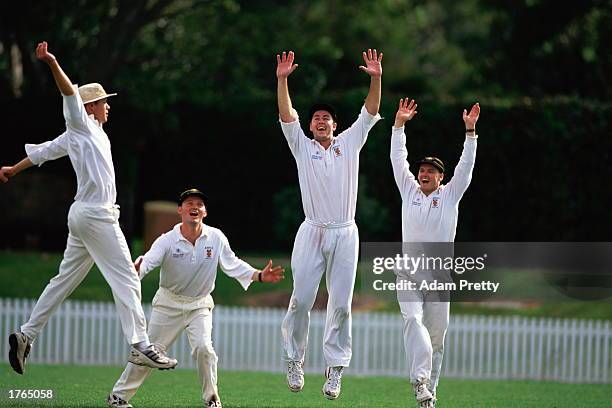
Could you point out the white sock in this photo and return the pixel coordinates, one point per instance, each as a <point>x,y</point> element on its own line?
<point>141,346</point>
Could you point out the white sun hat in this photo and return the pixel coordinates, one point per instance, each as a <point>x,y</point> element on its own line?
<point>93,92</point>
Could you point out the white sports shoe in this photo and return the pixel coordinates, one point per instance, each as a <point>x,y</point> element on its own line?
<point>333,383</point>
<point>116,402</point>
<point>295,376</point>
<point>213,403</point>
<point>421,392</point>
<point>153,357</point>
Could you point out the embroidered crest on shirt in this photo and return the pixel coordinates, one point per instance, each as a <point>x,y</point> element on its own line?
<point>337,151</point>
<point>178,254</point>
<point>209,252</point>
<point>435,202</point>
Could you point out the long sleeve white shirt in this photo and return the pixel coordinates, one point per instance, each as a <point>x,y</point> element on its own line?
<point>191,270</point>
<point>431,218</point>
<point>329,178</point>
<point>89,150</point>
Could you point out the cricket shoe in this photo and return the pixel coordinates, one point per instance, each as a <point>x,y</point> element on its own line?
<point>116,402</point>
<point>213,403</point>
<point>20,346</point>
<point>154,357</point>
<point>421,392</point>
<point>295,376</point>
<point>333,382</point>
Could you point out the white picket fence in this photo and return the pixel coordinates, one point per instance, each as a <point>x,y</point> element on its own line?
<point>568,350</point>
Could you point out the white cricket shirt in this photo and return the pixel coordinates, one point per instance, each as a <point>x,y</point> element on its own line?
<point>328,178</point>
<point>190,270</point>
<point>89,149</point>
<point>430,218</point>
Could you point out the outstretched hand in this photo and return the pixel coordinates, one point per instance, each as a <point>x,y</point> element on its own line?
<point>285,65</point>
<point>6,173</point>
<point>43,54</point>
<point>471,118</point>
<point>373,63</point>
<point>405,112</point>
<point>272,274</point>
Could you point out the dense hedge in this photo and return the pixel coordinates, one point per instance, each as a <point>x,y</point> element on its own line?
<point>541,171</point>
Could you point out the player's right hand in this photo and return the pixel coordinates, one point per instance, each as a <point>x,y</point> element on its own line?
<point>405,112</point>
<point>137,263</point>
<point>285,65</point>
<point>43,54</point>
<point>6,173</point>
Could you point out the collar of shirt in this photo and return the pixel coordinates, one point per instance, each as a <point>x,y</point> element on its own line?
<point>178,236</point>
<point>92,117</point>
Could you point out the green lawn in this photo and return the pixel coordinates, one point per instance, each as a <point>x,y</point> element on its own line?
<point>76,386</point>
<point>25,274</point>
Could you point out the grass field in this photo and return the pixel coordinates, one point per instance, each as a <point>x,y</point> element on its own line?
<point>88,387</point>
<point>25,274</point>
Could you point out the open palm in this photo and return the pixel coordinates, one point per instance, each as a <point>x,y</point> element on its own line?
<point>285,65</point>
<point>405,112</point>
<point>373,63</point>
<point>471,118</point>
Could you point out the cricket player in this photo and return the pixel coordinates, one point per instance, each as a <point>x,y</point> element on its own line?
<point>93,222</point>
<point>429,214</point>
<point>189,255</point>
<point>327,241</point>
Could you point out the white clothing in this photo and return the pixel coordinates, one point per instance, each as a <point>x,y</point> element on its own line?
<point>190,270</point>
<point>183,301</point>
<point>170,316</point>
<point>430,218</point>
<point>94,236</point>
<point>93,224</point>
<point>317,250</point>
<point>89,149</point>
<point>328,178</point>
<point>328,240</point>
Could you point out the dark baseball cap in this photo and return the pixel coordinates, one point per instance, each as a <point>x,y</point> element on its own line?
<point>434,161</point>
<point>324,107</point>
<point>192,192</point>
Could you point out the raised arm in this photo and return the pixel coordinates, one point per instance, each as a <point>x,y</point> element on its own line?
<point>463,171</point>
<point>284,68</point>
<point>373,67</point>
<point>399,154</point>
<point>7,172</point>
<point>61,79</point>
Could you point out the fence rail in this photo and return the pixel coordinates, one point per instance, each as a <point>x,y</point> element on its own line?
<point>568,350</point>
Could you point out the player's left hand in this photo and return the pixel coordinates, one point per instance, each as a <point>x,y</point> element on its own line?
<point>272,274</point>
<point>471,118</point>
<point>373,63</point>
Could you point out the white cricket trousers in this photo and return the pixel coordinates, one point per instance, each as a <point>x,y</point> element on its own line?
<point>319,248</point>
<point>170,316</point>
<point>94,235</point>
<point>425,325</point>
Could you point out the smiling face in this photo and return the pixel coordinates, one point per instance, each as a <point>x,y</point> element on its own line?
<point>192,210</point>
<point>429,178</point>
<point>99,109</point>
<point>322,126</point>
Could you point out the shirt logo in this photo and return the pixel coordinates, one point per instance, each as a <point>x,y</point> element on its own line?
<point>417,203</point>
<point>337,151</point>
<point>178,254</point>
<point>435,202</point>
<point>316,156</point>
<point>209,252</point>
